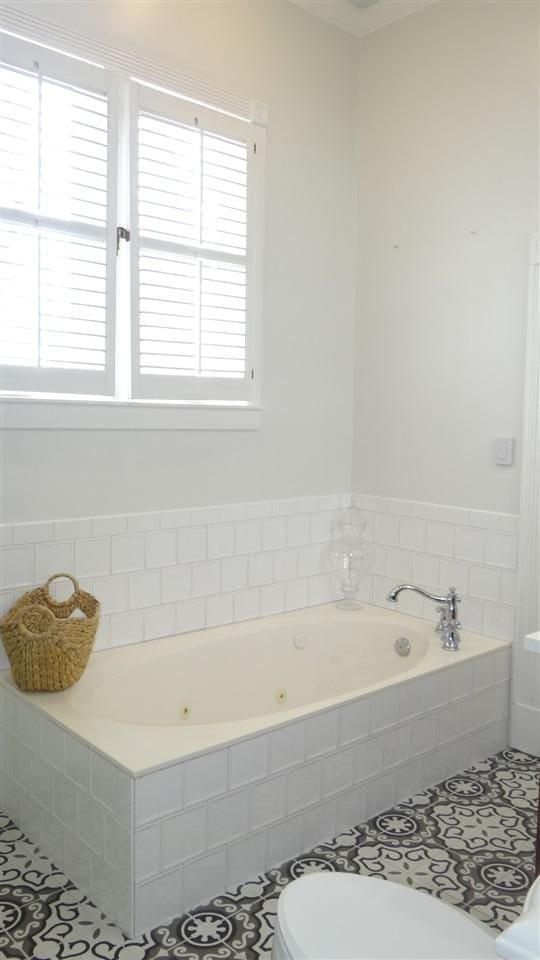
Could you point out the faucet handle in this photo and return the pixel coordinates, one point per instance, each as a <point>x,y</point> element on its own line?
<point>443,610</point>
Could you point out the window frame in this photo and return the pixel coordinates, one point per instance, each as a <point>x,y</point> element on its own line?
<point>26,55</point>
<point>52,401</point>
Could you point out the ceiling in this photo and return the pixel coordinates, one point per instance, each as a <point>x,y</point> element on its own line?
<point>361,17</point>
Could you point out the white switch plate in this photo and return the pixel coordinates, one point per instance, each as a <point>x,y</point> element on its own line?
<point>532,642</point>
<point>504,451</point>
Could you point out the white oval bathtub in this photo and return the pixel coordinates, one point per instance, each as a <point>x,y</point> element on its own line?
<point>150,703</point>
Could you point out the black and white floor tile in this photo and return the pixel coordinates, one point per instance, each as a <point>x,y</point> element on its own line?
<point>469,841</point>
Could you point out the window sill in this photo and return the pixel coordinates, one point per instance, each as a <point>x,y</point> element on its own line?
<point>30,412</point>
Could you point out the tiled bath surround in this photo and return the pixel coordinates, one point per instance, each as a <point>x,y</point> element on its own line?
<point>180,570</point>
<point>148,848</point>
<point>151,847</point>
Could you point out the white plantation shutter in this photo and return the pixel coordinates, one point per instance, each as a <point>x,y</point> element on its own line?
<point>57,222</point>
<point>190,255</point>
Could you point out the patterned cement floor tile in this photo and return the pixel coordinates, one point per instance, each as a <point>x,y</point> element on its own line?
<point>469,841</point>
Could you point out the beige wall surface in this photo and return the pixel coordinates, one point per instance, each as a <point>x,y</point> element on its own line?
<point>448,198</point>
<point>305,71</point>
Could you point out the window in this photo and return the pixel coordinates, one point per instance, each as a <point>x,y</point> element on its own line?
<point>89,159</point>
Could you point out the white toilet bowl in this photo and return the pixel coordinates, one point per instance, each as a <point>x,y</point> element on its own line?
<point>336,916</point>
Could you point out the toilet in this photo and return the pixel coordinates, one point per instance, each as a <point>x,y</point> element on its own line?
<point>336,916</point>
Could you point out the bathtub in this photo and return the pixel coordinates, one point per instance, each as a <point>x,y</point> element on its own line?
<point>180,767</point>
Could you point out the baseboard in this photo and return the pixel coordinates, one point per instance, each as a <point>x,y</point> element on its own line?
<point>525,728</point>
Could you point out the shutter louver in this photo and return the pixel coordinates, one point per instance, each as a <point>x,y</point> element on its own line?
<point>54,165</point>
<point>192,224</point>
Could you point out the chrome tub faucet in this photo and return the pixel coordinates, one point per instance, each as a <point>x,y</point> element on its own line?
<point>448,625</point>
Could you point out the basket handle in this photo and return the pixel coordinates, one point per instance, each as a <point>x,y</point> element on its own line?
<point>35,634</point>
<point>71,601</point>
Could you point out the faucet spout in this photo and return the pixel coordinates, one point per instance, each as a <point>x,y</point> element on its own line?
<point>449,624</point>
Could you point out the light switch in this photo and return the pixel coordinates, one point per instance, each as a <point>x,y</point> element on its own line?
<point>504,451</point>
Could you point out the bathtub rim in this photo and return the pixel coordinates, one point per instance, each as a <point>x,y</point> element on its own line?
<point>95,733</point>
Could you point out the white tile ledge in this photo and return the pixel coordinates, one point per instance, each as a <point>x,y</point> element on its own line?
<point>103,413</point>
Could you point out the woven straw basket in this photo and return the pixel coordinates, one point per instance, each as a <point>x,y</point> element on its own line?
<point>47,647</point>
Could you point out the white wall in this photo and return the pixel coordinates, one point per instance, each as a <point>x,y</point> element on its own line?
<point>306,71</point>
<point>448,167</point>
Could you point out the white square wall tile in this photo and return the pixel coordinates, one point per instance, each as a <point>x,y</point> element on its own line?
<point>219,610</point>
<point>103,781</point>
<point>499,621</point>
<point>286,564</point>
<point>440,539</point>
<point>338,771</point>
<point>158,793</point>
<point>221,540</point>
<point>33,532</point>
<point>501,549</point>
<point>246,604</point>
<point>298,530</point>
<point>205,776</point>
<point>112,593</point>
<point>248,760</point>
<point>305,785</point>
<point>176,583</point>
<point>246,859</point>
<point>92,557</point>
<point>142,522</point>
<point>233,574</point>
<point>384,709</point>
<point>322,733</point>
<point>426,570</point>
<point>461,680</point>
<point>399,563</point>
<point>287,746</point>
<point>455,573</point>
<point>16,567</point>
<point>447,724</point>
<point>161,548</point>
<point>73,529</point>
<point>190,615</point>
<point>52,744</point>
<point>159,621</point>
<point>274,533</point>
<point>387,530</point>
<point>422,735</point>
<point>296,594</point>
<point>204,878</point>
<point>260,569</point>
<point>128,553</point>
<point>181,518</point>
<point>470,544</point>
<point>158,898</point>
<point>52,557</point>
<point>231,512</point>
<point>283,841</point>
<point>205,578</point>
<point>272,599</point>
<point>351,808</point>
<point>318,824</point>
<point>144,589</point>
<point>64,802</point>
<point>91,824</point>
<point>248,536</point>
<point>183,836</point>
<point>77,762</point>
<point>412,534</point>
<point>227,818</point>
<point>354,721</point>
<point>147,852</point>
<point>411,699</point>
<point>311,560</point>
<point>192,544</point>
<point>485,582</point>
<point>320,527</point>
<point>397,743</point>
<point>127,628</point>
<point>436,689</point>
<point>267,802</point>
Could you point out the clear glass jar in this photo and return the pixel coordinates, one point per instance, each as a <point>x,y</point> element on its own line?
<point>350,556</point>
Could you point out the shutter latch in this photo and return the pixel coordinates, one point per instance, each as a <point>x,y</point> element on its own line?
<point>122,233</point>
